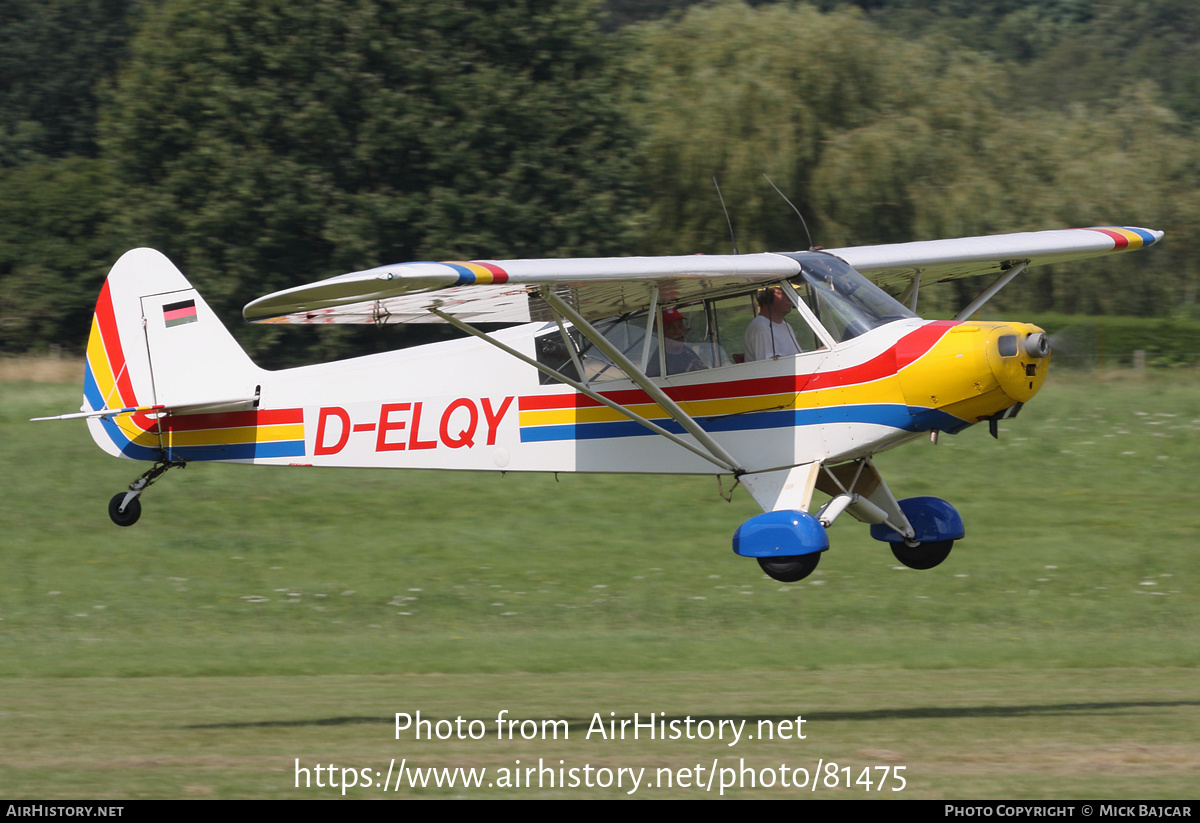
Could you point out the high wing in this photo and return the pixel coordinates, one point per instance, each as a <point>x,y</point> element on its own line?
<point>498,291</point>
<point>506,291</point>
<point>939,260</point>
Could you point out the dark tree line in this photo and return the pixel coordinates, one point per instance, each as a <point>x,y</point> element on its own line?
<point>262,143</point>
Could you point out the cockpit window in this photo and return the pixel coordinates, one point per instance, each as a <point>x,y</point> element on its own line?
<point>627,332</point>
<point>724,331</point>
<point>845,302</point>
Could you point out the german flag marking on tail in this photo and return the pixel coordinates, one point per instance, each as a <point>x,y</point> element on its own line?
<point>177,314</point>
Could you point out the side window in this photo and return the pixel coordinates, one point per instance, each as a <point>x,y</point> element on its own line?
<point>731,316</point>
<point>746,331</point>
<point>707,334</point>
<point>702,335</point>
<point>625,332</point>
<point>686,339</point>
<point>552,352</point>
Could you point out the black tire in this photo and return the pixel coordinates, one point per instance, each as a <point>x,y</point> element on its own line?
<point>923,555</point>
<point>790,569</point>
<point>131,514</point>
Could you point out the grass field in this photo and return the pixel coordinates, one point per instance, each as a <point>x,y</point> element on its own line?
<point>257,616</point>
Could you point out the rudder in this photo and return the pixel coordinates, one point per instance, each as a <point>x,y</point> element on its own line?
<point>155,342</point>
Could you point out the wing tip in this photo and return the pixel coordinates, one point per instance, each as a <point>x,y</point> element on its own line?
<point>1129,237</point>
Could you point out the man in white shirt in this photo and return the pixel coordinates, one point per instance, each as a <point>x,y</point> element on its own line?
<point>768,336</point>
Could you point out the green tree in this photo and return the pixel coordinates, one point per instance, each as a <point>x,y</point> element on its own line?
<point>883,140</point>
<point>55,250</point>
<point>265,143</point>
<point>842,116</point>
<point>52,55</point>
<point>732,92</point>
<point>1126,41</point>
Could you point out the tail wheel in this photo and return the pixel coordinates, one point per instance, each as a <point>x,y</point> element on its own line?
<point>124,518</point>
<point>923,555</point>
<point>790,569</point>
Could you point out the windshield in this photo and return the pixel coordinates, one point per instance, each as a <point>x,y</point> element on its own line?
<point>846,303</point>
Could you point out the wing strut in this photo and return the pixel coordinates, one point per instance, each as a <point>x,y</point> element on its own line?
<point>716,453</point>
<point>909,298</point>
<point>991,290</point>
<point>575,384</point>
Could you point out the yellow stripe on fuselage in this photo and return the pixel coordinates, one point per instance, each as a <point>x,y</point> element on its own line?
<point>884,390</point>
<point>232,436</point>
<point>212,437</point>
<point>136,434</point>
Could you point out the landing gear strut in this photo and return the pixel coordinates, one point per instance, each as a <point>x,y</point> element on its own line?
<point>124,509</point>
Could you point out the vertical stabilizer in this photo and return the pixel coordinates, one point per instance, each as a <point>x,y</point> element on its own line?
<point>155,342</point>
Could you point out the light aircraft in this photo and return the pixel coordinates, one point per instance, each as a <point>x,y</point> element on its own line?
<point>636,364</point>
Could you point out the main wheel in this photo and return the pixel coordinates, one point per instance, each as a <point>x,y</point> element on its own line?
<point>131,514</point>
<point>790,569</point>
<point>923,555</point>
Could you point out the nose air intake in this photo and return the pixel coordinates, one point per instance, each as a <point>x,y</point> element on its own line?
<point>1018,355</point>
<point>976,371</point>
<point>1037,345</point>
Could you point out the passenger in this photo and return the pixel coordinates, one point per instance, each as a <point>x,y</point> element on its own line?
<point>768,336</point>
<point>680,357</point>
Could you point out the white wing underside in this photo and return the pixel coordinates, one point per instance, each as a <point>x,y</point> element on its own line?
<point>508,291</point>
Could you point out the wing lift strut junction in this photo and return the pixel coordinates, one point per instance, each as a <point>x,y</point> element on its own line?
<point>704,446</point>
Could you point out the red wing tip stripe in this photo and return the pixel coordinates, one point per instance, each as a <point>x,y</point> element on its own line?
<point>499,275</point>
<point>1126,237</point>
<point>1120,241</point>
<point>472,273</point>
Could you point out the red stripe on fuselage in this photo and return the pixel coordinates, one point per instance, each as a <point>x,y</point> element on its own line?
<point>681,394</point>
<point>912,347</point>
<point>219,420</point>
<point>907,350</point>
<point>233,420</point>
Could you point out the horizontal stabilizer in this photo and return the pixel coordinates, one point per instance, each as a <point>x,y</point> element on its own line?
<point>241,403</point>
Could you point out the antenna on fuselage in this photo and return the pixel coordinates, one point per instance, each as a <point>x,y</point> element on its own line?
<point>727,220</point>
<point>804,223</point>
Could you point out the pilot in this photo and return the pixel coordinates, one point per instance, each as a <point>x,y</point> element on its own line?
<point>680,357</point>
<point>768,336</point>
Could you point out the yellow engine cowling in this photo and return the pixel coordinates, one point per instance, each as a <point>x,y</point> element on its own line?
<point>979,369</point>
